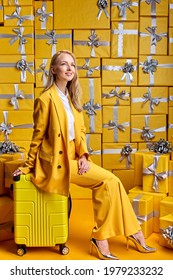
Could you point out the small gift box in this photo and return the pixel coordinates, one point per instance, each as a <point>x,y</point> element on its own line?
<point>155,173</point>
<point>170,47</point>
<point>126,177</point>
<point>48,42</point>
<point>6,209</point>
<point>170,13</point>
<point>143,207</point>
<point>153,8</point>
<point>146,128</point>
<point>119,72</point>
<point>94,147</point>
<point>88,67</point>
<point>43,14</point>
<point>91,101</point>
<point>118,155</point>
<point>170,123</point>
<point>116,96</point>
<point>166,206</point>
<point>21,68</point>
<point>18,16</point>
<point>124,39</point>
<point>166,231</point>
<point>116,124</point>
<point>42,71</point>
<point>10,167</point>
<point>91,43</point>
<point>17,97</point>
<point>152,100</point>
<point>155,70</point>
<point>88,14</point>
<point>6,231</point>
<point>170,178</point>
<point>123,10</point>
<point>16,40</point>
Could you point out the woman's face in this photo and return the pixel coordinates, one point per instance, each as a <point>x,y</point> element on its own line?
<point>64,68</point>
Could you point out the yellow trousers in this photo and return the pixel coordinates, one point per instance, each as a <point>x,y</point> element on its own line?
<point>113,212</point>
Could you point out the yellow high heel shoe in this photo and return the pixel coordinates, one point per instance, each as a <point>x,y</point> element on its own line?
<point>99,253</point>
<point>139,246</point>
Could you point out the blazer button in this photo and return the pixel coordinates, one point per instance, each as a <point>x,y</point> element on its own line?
<point>59,166</point>
<point>60,152</point>
<point>59,135</point>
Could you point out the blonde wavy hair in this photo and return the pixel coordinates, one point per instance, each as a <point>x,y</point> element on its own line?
<point>72,86</point>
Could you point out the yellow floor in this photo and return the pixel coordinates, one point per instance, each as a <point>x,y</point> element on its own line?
<point>81,223</point>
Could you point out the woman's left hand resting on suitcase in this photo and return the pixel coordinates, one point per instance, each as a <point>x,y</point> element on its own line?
<point>17,172</point>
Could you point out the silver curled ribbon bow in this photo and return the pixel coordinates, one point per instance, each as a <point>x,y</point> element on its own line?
<point>114,93</point>
<point>160,147</point>
<point>123,6</point>
<point>41,12</point>
<point>93,42</point>
<point>167,233</point>
<point>23,66</point>
<point>126,154</point>
<point>155,37</point>
<point>14,99</point>
<point>7,147</point>
<point>102,5</point>
<point>151,170</point>
<point>6,127</point>
<point>91,108</point>
<point>128,69</point>
<point>150,66</point>
<point>153,101</point>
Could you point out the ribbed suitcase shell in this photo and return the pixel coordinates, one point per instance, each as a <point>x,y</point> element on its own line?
<point>40,218</point>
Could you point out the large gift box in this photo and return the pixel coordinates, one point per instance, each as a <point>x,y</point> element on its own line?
<point>153,8</point>
<point>170,46</point>
<point>10,167</point>
<point>20,67</point>
<point>155,173</point>
<point>94,147</point>
<point>166,206</point>
<point>170,178</point>
<point>143,207</point>
<point>119,71</point>
<point>6,231</point>
<point>149,100</point>
<point>116,124</point>
<point>116,96</point>
<point>88,67</point>
<point>88,14</point>
<point>123,10</point>
<point>17,97</point>
<point>170,124</point>
<point>43,14</point>
<point>166,229</point>
<point>16,40</point>
<point>48,42</point>
<point>148,128</point>
<point>126,177</point>
<point>91,43</point>
<point>157,197</point>
<point>18,15</point>
<point>91,101</point>
<point>118,155</point>
<point>124,39</point>
<point>153,35</point>
<point>171,13</point>
<point>155,70</point>
<point>41,71</point>
<point>6,209</point>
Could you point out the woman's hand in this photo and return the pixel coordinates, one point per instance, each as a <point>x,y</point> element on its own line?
<point>17,172</point>
<point>83,165</point>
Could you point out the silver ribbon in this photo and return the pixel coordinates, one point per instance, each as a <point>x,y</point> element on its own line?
<point>91,151</point>
<point>152,170</point>
<point>167,233</point>
<point>123,95</point>
<point>16,15</point>
<point>153,5</point>
<point>43,15</point>
<point>90,70</point>
<point>102,5</point>
<point>45,73</point>
<point>122,7</point>
<point>16,2</point>
<point>126,154</point>
<point>135,204</point>
<point>171,98</point>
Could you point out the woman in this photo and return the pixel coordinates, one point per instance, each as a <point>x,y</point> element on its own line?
<point>58,156</point>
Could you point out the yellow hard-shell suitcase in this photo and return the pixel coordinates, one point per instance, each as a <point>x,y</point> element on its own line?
<point>40,218</point>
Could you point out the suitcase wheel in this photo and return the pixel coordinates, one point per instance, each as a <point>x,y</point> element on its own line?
<point>21,251</point>
<point>64,250</point>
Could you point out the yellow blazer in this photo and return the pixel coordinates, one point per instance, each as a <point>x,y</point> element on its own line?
<point>48,157</point>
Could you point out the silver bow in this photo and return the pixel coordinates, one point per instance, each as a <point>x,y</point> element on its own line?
<point>153,101</point>
<point>43,15</point>
<point>146,134</point>
<point>16,15</point>
<point>93,42</point>
<point>6,127</point>
<point>102,5</point>
<point>155,37</point>
<point>114,93</point>
<point>123,6</point>
<point>18,95</point>
<point>125,154</point>
<point>22,65</point>
<point>152,1</point>
<point>90,70</point>
<point>113,125</point>
<point>150,66</point>
<point>52,35</point>
<point>20,37</point>
<point>91,108</point>
<point>45,73</point>
<point>168,234</point>
<point>128,69</point>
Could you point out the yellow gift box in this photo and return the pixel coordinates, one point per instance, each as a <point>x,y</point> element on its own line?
<point>37,91</point>
<point>116,96</point>
<point>155,70</point>
<point>6,231</point>
<point>10,167</point>
<point>154,8</point>
<point>16,125</point>
<point>79,14</point>
<point>124,39</point>
<point>153,35</point>
<point>42,71</point>
<point>126,177</point>
<point>17,2</point>
<point>6,209</point>
<point>119,71</point>
<point>18,40</point>
<point>166,227</point>
<point>18,15</point>
<point>116,124</point>
<point>171,13</point>
<point>155,173</point>
<point>166,206</point>
<point>1,13</point>
<point>48,42</point>
<point>123,12</point>
<point>146,128</point>
<point>170,46</point>
<point>157,197</point>
<point>94,147</point>
<point>88,67</point>
<point>43,15</point>
<point>149,100</point>
<point>91,101</point>
<point>170,96</point>
<point>17,97</point>
<point>170,178</point>
<point>170,123</point>
<point>91,43</point>
<point>13,156</point>
<point>20,67</point>
<point>113,156</point>
<point>2,179</point>
<point>143,207</point>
